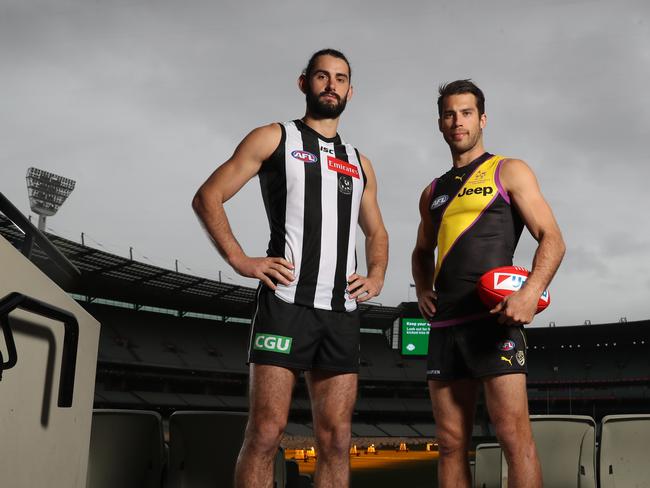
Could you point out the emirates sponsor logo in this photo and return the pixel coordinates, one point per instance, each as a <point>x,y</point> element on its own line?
<point>342,167</point>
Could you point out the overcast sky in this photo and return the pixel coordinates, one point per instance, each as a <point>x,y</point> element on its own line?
<point>139,101</point>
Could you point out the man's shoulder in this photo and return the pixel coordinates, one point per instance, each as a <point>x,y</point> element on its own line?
<point>269,134</point>
<point>513,165</point>
<point>269,130</point>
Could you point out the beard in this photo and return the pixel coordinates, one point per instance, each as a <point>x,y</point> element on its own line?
<point>461,147</point>
<point>322,109</point>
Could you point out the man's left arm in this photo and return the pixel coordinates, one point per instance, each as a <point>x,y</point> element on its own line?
<point>520,183</point>
<point>363,288</point>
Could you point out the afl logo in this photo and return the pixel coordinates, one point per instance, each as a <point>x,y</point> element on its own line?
<point>507,346</point>
<point>439,201</point>
<point>304,156</point>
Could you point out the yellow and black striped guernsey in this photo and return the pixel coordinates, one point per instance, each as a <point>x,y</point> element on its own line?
<point>476,230</point>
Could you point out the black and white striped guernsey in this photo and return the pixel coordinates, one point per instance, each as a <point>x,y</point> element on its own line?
<point>312,187</point>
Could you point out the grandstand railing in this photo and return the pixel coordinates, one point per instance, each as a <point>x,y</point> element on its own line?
<point>35,236</point>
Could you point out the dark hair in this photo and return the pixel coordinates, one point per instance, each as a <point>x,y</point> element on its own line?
<point>458,87</point>
<point>325,52</point>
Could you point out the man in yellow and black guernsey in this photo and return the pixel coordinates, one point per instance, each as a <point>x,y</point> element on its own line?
<point>474,215</point>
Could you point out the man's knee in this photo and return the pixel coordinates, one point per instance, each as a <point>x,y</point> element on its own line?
<point>334,438</point>
<point>514,434</point>
<point>265,435</point>
<point>451,441</point>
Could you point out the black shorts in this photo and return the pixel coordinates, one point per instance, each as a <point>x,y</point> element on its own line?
<point>476,349</point>
<point>304,338</point>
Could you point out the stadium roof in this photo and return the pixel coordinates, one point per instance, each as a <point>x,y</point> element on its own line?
<point>115,277</point>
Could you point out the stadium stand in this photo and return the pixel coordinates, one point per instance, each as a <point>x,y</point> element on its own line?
<point>203,447</point>
<point>126,449</point>
<point>367,430</point>
<point>294,478</point>
<point>295,429</point>
<point>397,430</point>
<point>624,448</point>
<point>172,342</point>
<point>425,430</point>
<point>487,466</point>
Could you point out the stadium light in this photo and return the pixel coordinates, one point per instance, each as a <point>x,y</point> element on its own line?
<point>47,192</point>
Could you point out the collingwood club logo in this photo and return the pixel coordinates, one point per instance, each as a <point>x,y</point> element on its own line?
<point>345,184</point>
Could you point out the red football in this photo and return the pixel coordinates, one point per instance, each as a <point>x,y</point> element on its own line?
<point>500,282</point>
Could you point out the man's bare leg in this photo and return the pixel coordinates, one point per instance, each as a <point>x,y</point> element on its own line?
<point>454,403</point>
<point>270,399</point>
<point>332,401</point>
<point>507,404</point>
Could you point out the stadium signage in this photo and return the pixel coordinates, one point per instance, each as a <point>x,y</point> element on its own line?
<point>272,343</point>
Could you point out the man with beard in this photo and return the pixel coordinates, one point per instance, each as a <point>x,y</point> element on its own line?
<point>316,188</point>
<point>474,215</point>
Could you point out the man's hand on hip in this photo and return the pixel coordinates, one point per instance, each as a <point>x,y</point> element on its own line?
<point>363,288</point>
<point>268,270</point>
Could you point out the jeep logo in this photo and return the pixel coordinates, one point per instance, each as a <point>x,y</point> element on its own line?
<point>272,343</point>
<point>481,190</point>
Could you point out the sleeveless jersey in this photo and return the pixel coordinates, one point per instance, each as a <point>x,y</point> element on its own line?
<point>312,187</point>
<point>476,230</point>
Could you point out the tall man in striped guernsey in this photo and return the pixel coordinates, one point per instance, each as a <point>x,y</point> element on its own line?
<point>473,215</point>
<point>316,189</point>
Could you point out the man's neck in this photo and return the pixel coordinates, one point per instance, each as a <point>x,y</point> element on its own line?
<point>325,127</point>
<point>460,160</point>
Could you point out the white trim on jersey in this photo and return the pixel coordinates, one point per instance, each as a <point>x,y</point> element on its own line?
<point>295,210</point>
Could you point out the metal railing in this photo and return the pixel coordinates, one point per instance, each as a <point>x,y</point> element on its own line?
<point>35,236</point>
<point>15,301</point>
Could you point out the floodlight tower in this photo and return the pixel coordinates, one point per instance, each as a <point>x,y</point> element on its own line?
<point>47,192</point>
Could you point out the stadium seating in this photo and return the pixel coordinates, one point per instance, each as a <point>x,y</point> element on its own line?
<point>203,448</point>
<point>157,339</point>
<point>378,360</point>
<point>566,445</point>
<point>487,467</point>
<point>624,448</point>
<point>295,429</point>
<point>366,430</point>
<point>425,430</point>
<point>397,430</point>
<point>126,449</point>
<point>293,477</point>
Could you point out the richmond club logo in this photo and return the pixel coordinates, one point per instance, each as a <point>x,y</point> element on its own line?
<point>304,156</point>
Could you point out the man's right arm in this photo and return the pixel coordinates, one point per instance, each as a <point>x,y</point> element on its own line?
<point>222,185</point>
<point>423,259</point>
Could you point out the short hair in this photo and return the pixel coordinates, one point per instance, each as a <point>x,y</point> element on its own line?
<point>325,52</point>
<point>459,87</point>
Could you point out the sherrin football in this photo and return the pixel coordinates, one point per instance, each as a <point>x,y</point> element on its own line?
<point>500,282</point>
